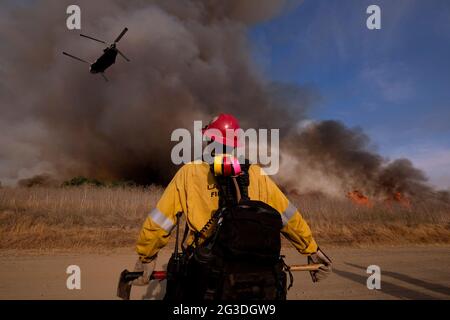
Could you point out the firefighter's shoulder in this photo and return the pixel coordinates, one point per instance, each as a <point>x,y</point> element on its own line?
<point>256,170</point>
<point>196,167</point>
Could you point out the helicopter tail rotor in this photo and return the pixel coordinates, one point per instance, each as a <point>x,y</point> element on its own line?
<point>121,35</point>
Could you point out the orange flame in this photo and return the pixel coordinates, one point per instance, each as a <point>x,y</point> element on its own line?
<point>358,198</point>
<point>398,198</point>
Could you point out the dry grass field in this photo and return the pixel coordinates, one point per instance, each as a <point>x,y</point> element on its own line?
<point>75,217</point>
<point>91,217</point>
<point>341,222</point>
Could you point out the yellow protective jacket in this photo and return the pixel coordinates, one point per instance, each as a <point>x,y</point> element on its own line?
<point>193,191</point>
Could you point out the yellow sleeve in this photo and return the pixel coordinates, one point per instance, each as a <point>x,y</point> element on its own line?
<point>295,228</point>
<point>159,223</point>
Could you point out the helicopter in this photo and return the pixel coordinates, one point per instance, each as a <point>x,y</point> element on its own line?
<point>107,59</point>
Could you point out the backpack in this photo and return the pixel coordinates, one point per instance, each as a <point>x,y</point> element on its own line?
<point>249,244</point>
<point>241,259</point>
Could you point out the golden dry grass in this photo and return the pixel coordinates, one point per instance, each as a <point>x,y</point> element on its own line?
<point>90,217</point>
<point>342,222</point>
<point>77,217</point>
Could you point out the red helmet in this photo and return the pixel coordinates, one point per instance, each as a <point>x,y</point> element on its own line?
<point>217,130</point>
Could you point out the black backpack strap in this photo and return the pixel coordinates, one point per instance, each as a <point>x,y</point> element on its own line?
<point>287,269</point>
<point>244,180</point>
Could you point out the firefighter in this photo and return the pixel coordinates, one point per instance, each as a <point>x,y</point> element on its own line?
<point>193,192</point>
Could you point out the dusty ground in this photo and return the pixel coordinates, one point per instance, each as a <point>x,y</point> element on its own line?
<point>407,273</point>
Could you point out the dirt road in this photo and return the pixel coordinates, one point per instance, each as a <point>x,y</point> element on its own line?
<point>406,273</point>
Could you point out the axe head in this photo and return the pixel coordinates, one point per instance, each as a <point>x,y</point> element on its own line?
<point>125,280</point>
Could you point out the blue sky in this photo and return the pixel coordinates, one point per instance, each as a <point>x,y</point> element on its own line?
<point>393,82</point>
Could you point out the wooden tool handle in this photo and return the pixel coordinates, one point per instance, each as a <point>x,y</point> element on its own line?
<point>306,267</point>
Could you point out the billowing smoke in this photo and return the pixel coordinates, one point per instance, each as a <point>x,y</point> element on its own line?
<point>336,158</point>
<point>190,60</point>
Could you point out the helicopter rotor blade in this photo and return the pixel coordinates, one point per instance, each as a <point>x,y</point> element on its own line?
<point>76,58</point>
<point>104,77</point>
<point>89,37</point>
<point>120,52</point>
<point>121,35</point>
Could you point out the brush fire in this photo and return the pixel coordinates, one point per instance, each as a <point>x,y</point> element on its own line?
<point>396,199</point>
<point>359,199</point>
<point>226,155</point>
<point>83,127</point>
<point>191,60</point>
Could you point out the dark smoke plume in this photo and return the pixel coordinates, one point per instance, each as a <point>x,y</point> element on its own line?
<point>190,61</point>
<point>331,148</point>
